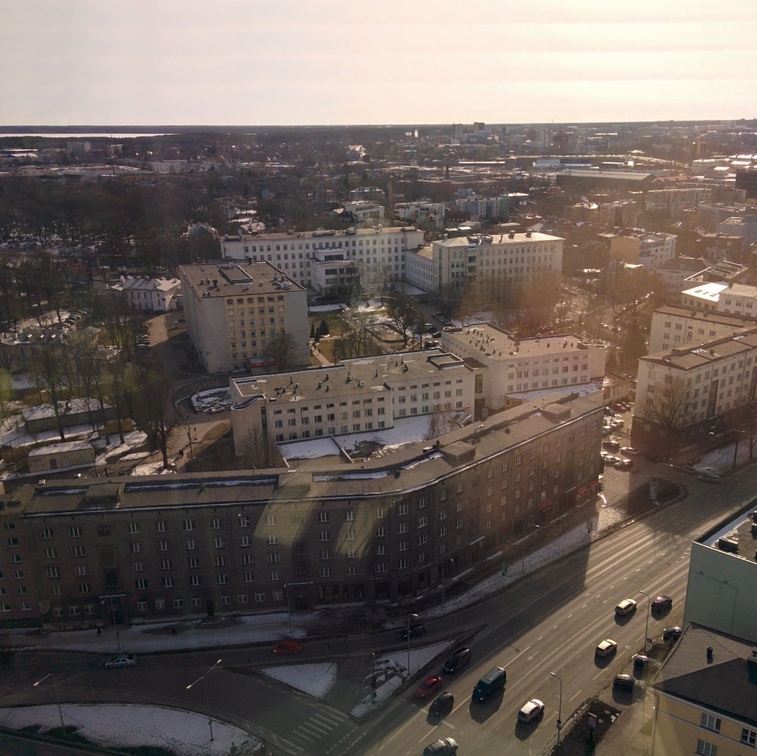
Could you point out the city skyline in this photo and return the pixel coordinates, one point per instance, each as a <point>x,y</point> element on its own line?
<point>297,63</point>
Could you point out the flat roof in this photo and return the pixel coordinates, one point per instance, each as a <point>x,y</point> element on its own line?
<point>223,279</point>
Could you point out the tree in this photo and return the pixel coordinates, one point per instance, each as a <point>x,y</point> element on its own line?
<point>153,407</point>
<point>53,377</point>
<point>667,407</point>
<point>404,315</point>
<point>279,347</point>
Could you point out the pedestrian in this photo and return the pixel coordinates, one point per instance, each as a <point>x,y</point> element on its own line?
<point>99,631</point>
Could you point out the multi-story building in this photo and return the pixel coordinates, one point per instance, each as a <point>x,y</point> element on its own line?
<point>688,392</point>
<point>150,294</point>
<point>519,258</point>
<point>675,202</point>
<point>237,312</point>
<point>419,268</point>
<point>620,213</point>
<point>745,226</point>
<point>378,253</point>
<point>703,296</point>
<point>677,326</point>
<point>364,212</point>
<point>355,396</point>
<point>519,365</point>
<point>426,213</point>
<point>710,216</point>
<point>739,299</point>
<point>490,208</point>
<point>646,248</point>
<point>674,272</point>
<point>378,532</point>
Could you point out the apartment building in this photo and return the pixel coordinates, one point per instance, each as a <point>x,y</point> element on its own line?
<point>513,365</point>
<point>677,326</point>
<point>674,203</point>
<point>426,213</point>
<point>522,258</point>
<point>87,550</point>
<point>235,312</point>
<point>490,208</point>
<point>378,252</point>
<point>711,215</point>
<point>684,394</point>
<point>364,212</point>
<point>745,226</point>
<point>739,299</point>
<point>150,294</point>
<point>355,396</point>
<point>674,272</point>
<point>419,268</point>
<point>705,693</point>
<point>620,213</point>
<point>646,248</point>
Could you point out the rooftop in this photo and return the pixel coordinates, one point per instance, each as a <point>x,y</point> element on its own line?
<point>233,279</point>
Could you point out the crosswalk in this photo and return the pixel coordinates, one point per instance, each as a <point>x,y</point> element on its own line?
<point>314,734</point>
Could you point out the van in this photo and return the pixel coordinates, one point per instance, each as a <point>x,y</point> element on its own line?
<point>492,682</point>
<point>728,544</point>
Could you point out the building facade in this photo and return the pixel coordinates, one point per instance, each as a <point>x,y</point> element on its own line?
<point>150,294</point>
<point>88,549</point>
<point>676,326</point>
<point>236,312</point>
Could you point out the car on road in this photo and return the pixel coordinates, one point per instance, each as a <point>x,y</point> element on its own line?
<point>662,604</point>
<point>709,477</point>
<point>623,682</point>
<point>442,705</point>
<point>121,661</point>
<point>459,658</point>
<point>428,686</point>
<point>611,444</point>
<point>287,647</point>
<point>441,747</point>
<point>606,648</point>
<point>629,451</point>
<point>531,711</point>
<point>414,631</point>
<point>626,606</point>
<point>641,661</point>
<point>623,464</point>
<point>671,633</point>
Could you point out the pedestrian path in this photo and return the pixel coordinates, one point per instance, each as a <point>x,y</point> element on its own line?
<point>307,737</point>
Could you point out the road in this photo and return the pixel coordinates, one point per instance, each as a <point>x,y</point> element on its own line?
<point>548,622</point>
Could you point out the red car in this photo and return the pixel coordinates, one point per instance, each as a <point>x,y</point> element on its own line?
<point>287,647</point>
<point>428,686</point>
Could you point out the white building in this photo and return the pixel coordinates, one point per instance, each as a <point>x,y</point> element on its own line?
<point>378,252</point>
<point>745,227</point>
<point>703,296</point>
<point>150,294</point>
<point>431,213</point>
<point>235,311</point>
<point>419,268</point>
<point>513,366</point>
<point>365,212</point>
<point>676,271</point>
<point>513,257</point>
<point>355,396</point>
<point>646,248</point>
<point>739,299</point>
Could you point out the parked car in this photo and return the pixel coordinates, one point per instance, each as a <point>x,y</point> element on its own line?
<point>459,658</point>
<point>671,633</point>
<point>708,478</point>
<point>442,705</point>
<point>606,648</point>
<point>626,606</point>
<point>441,747</point>
<point>623,682</point>
<point>662,604</point>
<point>611,444</point>
<point>629,451</point>
<point>121,661</point>
<point>641,661</point>
<point>414,631</point>
<point>531,711</point>
<point>428,686</point>
<point>287,647</point>
<point>623,464</point>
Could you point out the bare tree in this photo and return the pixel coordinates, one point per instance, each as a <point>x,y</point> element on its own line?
<point>280,347</point>
<point>404,314</point>
<point>256,450</point>
<point>668,407</point>
<point>154,410</point>
<point>53,377</point>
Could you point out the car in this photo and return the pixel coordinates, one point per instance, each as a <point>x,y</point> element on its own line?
<point>287,647</point>
<point>623,464</point>
<point>629,451</point>
<point>662,604</point>
<point>617,422</point>
<point>428,686</point>
<point>121,661</point>
<point>606,648</point>
<point>626,606</point>
<point>414,631</point>
<point>442,705</point>
<point>671,633</point>
<point>610,460</point>
<point>623,682</point>
<point>441,747</point>
<point>460,657</point>
<point>641,661</point>
<point>611,444</point>
<point>709,477</point>
<point>531,711</point>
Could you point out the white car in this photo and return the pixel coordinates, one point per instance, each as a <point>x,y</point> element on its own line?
<point>119,662</point>
<point>531,711</point>
<point>626,606</point>
<point>606,648</point>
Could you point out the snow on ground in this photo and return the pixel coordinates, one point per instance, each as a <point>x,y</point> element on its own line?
<point>318,447</point>
<point>131,726</point>
<point>314,679</point>
<point>720,460</point>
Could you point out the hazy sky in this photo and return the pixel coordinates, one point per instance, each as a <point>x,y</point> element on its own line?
<point>149,62</point>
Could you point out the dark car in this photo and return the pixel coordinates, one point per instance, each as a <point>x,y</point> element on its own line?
<point>671,633</point>
<point>442,705</point>
<point>287,647</point>
<point>662,604</point>
<point>459,658</point>
<point>623,682</point>
<point>441,747</point>
<point>641,661</point>
<point>414,631</point>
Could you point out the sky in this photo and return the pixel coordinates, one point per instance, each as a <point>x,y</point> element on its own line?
<point>301,62</point>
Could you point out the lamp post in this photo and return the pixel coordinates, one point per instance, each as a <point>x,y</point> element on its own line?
<point>110,597</point>
<point>204,679</point>
<point>559,710</point>
<point>410,616</point>
<point>57,698</point>
<point>523,553</point>
<point>289,604</point>
<point>646,627</point>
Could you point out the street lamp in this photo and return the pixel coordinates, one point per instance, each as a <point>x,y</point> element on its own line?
<point>204,679</point>
<point>410,617</point>
<point>110,597</point>
<point>559,710</point>
<point>57,699</point>
<point>523,554</point>
<point>646,627</point>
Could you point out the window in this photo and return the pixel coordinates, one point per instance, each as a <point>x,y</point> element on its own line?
<point>167,582</point>
<point>80,570</point>
<point>77,551</point>
<point>133,527</point>
<point>195,580</point>
<point>50,552</point>
<point>140,584</point>
<point>74,531</point>
<point>163,546</point>
<point>85,588</point>
<point>135,547</point>
<point>160,526</point>
<point>748,737</point>
<point>165,564</point>
<point>191,544</point>
<point>245,541</point>
<point>103,530</point>
<point>189,524</point>
<point>220,561</point>
<point>216,523</point>
<point>706,749</point>
<point>15,558</point>
<point>218,543</point>
<point>710,722</point>
<point>138,566</point>
<point>46,534</point>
